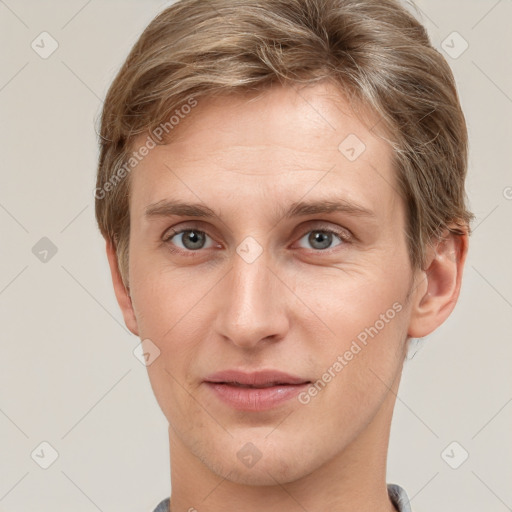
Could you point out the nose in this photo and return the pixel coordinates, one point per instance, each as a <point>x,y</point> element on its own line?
<point>251,304</point>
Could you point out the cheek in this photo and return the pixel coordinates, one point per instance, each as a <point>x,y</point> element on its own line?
<point>367,319</point>
<point>165,309</point>
<point>177,304</point>
<point>350,299</point>
<point>356,377</point>
<point>163,295</point>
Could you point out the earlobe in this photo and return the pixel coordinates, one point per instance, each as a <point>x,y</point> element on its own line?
<point>439,285</point>
<point>122,295</point>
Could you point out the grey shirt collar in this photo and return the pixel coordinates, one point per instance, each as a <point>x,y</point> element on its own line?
<point>396,493</point>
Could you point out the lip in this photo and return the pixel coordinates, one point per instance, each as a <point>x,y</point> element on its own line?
<point>255,391</point>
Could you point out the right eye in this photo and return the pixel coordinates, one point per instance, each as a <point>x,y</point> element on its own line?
<point>191,240</point>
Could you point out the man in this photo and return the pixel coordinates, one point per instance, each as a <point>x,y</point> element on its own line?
<point>281,190</point>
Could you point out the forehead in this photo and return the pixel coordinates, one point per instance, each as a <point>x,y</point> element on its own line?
<point>279,146</point>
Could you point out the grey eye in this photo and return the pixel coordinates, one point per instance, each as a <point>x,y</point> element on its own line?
<point>320,239</point>
<point>191,239</point>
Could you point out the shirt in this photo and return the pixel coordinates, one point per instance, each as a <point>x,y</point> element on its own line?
<point>396,493</point>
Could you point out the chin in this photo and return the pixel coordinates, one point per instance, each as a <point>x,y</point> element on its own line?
<point>267,472</point>
<point>262,463</point>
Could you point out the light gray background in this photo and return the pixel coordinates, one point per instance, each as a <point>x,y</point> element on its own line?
<point>67,372</point>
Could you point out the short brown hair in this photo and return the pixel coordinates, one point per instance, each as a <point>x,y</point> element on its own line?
<point>377,53</point>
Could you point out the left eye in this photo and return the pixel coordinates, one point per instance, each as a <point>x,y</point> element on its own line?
<point>321,239</point>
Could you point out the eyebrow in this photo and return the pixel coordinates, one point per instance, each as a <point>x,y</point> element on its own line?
<point>170,207</point>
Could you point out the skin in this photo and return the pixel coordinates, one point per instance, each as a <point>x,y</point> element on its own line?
<point>295,308</point>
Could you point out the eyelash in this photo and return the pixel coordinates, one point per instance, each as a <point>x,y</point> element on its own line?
<point>344,237</point>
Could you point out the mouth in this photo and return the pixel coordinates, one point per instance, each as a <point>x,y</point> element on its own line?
<point>255,391</point>
<point>262,386</point>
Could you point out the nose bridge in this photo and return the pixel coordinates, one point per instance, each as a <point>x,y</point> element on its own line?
<point>251,308</point>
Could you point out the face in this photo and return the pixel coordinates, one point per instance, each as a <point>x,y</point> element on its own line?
<point>278,301</point>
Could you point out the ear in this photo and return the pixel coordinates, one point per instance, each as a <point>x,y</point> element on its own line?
<point>437,288</point>
<point>122,294</point>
